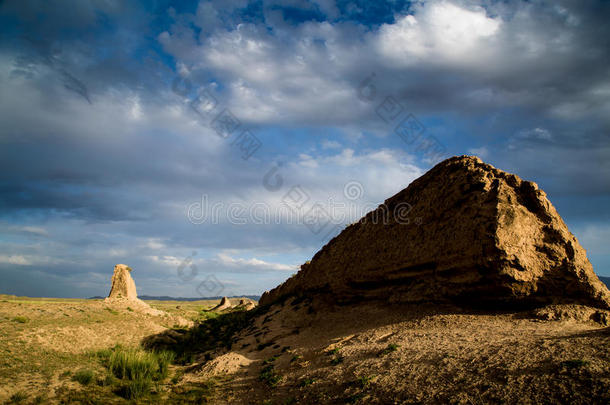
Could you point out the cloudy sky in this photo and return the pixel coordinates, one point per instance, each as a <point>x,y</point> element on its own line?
<point>192,140</point>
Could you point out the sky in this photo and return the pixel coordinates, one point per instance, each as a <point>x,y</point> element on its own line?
<point>215,146</point>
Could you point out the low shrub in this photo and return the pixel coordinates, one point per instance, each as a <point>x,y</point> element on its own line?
<point>307,381</point>
<point>83,376</point>
<point>214,332</point>
<point>332,352</point>
<point>389,349</point>
<point>134,389</point>
<point>268,374</point>
<point>18,397</point>
<point>135,369</point>
<point>137,364</point>
<point>363,381</point>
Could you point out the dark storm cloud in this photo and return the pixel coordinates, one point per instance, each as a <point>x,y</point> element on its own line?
<point>512,69</point>
<point>99,158</point>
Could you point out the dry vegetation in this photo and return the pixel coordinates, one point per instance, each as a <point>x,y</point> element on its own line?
<point>82,351</point>
<point>51,350</point>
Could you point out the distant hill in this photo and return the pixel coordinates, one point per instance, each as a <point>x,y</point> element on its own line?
<point>605,280</point>
<point>167,298</point>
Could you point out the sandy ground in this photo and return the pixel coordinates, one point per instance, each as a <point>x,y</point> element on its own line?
<point>318,353</point>
<point>389,354</point>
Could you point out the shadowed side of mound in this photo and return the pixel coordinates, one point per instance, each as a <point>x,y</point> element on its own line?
<point>483,237</point>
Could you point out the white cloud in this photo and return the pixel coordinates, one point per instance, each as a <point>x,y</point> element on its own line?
<point>481,152</point>
<point>15,259</point>
<point>34,229</point>
<point>535,133</point>
<point>171,261</point>
<point>122,253</point>
<point>486,54</point>
<point>34,259</point>
<point>253,263</point>
<point>327,144</point>
<point>25,229</point>
<point>307,161</point>
<point>437,31</point>
<point>154,244</point>
<point>138,152</point>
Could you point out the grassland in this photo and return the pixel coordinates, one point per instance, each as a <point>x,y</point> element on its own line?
<point>52,350</point>
<point>297,351</point>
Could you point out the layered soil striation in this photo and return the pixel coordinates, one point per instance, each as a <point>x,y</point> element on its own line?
<point>464,232</point>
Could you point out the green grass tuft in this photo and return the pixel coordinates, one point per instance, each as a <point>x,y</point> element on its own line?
<point>18,397</point>
<point>20,319</point>
<point>363,381</point>
<point>306,381</point>
<point>134,389</point>
<point>137,364</point>
<point>83,376</point>
<point>106,381</point>
<point>215,332</point>
<point>103,354</point>
<point>134,371</point>
<point>338,358</point>
<point>268,374</point>
<point>332,352</point>
<point>389,349</point>
<point>270,360</point>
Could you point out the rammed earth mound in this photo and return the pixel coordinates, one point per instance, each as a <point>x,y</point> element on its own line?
<point>484,237</point>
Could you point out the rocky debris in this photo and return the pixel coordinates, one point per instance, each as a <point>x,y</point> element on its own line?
<point>577,313</point>
<point>246,304</point>
<point>225,303</point>
<point>123,285</point>
<point>464,232</point>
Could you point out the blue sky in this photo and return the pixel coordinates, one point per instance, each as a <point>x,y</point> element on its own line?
<point>115,145</point>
